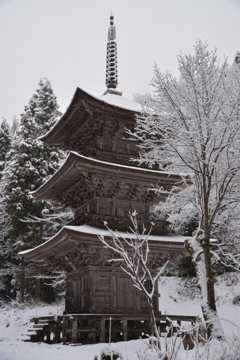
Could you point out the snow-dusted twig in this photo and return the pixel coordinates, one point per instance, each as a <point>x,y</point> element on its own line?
<point>133,253</point>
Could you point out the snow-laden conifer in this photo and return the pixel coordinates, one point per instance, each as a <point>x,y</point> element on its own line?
<point>5,142</point>
<point>29,163</point>
<point>8,263</point>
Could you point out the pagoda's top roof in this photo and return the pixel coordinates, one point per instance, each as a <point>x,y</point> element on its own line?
<point>82,107</point>
<point>65,239</point>
<point>120,101</point>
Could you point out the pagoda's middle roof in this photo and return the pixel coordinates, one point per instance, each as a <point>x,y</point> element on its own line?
<point>80,168</point>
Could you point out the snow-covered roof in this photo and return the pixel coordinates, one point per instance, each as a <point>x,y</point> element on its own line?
<point>120,101</point>
<point>91,230</point>
<point>138,171</point>
<point>87,229</point>
<point>112,165</point>
<point>137,168</point>
<point>108,98</point>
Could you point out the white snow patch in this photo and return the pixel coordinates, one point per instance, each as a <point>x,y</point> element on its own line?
<point>120,101</point>
<point>87,229</point>
<point>177,295</point>
<point>181,297</point>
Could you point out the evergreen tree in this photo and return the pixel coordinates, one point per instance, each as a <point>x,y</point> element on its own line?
<point>7,267</point>
<point>28,165</point>
<point>5,141</point>
<point>14,127</point>
<point>8,258</point>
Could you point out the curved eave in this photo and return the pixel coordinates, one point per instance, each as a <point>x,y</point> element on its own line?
<point>75,163</point>
<point>40,252</point>
<point>79,96</point>
<point>69,235</point>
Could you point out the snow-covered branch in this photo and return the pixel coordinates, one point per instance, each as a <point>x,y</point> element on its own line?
<point>191,125</point>
<point>133,253</point>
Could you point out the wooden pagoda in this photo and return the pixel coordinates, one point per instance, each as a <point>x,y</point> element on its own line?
<point>100,182</point>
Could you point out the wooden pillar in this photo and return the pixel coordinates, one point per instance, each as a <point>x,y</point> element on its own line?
<point>57,337</point>
<point>102,336</point>
<point>125,329</point>
<point>49,338</point>
<point>64,332</point>
<point>74,330</point>
<point>170,329</point>
<point>22,280</point>
<point>37,284</point>
<point>113,291</point>
<point>93,291</point>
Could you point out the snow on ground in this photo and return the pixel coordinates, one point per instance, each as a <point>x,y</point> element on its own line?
<point>178,296</point>
<point>14,323</point>
<point>181,297</point>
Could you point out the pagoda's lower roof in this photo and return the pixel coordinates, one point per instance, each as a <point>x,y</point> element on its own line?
<point>65,242</point>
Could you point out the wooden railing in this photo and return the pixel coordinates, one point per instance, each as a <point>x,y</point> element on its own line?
<point>94,328</point>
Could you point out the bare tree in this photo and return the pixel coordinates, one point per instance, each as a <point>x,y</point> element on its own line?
<point>191,125</point>
<point>133,254</point>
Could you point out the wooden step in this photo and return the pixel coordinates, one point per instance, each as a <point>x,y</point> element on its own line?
<point>38,326</point>
<point>42,318</point>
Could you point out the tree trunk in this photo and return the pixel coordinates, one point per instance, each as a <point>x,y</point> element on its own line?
<point>22,280</point>
<point>37,284</point>
<point>153,324</point>
<point>37,268</point>
<point>214,327</point>
<point>201,255</point>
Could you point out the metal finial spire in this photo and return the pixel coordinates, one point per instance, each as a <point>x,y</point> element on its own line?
<point>111,66</point>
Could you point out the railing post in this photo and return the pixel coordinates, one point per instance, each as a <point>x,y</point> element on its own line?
<point>102,329</point>
<point>64,333</point>
<point>57,336</point>
<point>74,330</point>
<point>125,329</point>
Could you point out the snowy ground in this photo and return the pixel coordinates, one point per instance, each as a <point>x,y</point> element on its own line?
<point>177,297</point>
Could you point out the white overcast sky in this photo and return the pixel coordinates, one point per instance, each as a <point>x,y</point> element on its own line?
<point>65,41</point>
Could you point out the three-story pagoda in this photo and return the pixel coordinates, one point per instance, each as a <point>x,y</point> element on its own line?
<point>100,183</point>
